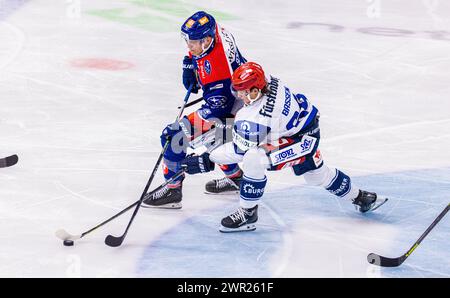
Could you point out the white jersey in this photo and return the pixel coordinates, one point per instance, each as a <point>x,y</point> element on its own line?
<point>280,113</point>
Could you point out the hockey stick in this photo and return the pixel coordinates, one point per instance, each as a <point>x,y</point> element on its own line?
<point>189,104</point>
<point>8,161</point>
<point>114,241</point>
<point>64,235</point>
<point>394,262</point>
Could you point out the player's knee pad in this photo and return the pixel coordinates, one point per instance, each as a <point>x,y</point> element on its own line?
<point>255,163</point>
<point>251,191</point>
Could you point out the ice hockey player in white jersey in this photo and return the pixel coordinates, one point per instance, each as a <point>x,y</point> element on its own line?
<point>275,129</point>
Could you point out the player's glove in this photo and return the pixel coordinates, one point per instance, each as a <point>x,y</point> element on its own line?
<point>169,132</point>
<point>174,128</point>
<point>189,77</point>
<point>195,164</point>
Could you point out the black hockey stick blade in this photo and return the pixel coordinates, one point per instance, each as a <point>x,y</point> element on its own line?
<point>113,241</point>
<point>385,262</point>
<point>8,161</point>
<point>388,262</point>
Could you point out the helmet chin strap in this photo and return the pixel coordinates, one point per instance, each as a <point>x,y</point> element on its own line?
<point>207,48</point>
<point>251,101</point>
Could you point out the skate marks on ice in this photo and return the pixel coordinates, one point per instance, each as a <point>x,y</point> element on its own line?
<point>303,232</point>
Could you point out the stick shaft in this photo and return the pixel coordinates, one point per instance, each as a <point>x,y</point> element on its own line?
<point>116,241</point>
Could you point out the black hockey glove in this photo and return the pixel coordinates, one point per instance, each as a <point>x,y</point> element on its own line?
<point>197,164</point>
<point>189,77</point>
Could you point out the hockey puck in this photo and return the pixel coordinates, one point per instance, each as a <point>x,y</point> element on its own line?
<point>68,243</point>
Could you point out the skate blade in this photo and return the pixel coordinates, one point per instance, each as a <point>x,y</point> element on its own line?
<point>166,206</point>
<point>244,228</point>
<point>378,203</point>
<point>230,192</point>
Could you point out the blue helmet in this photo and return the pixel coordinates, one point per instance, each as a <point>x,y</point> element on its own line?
<point>199,26</point>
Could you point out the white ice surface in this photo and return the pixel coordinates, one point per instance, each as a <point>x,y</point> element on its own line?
<point>88,138</point>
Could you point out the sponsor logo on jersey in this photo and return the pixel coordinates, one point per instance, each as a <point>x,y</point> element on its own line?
<point>247,134</point>
<point>343,188</point>
<point>291,152</point>
<point>251,190</point>
<point>251,129</point>
<point>243,143</point>
<point>217,101</point>
<point>245,126</point>
<point>287,101</point>
<point>269,105</point>
<point>317,158</point>
<point>205,112</point>
<point>218,86</point>
<point>231,49</point>
<point>284,155</point>
<point>306,144</point>
<point>207,67</point>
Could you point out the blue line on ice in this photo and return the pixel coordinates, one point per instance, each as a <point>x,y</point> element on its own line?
<point>195,248</point>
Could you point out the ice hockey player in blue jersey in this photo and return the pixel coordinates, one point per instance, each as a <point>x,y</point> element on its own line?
<point>213,56</point>
<point>275,129</point>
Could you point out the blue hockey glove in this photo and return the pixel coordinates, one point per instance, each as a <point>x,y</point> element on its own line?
<point>169,131</point>
<point>197,164</point>
<point>189,77</point>
<point>177,127</point>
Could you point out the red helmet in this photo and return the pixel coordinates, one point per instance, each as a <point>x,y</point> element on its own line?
<point>248,76</point>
